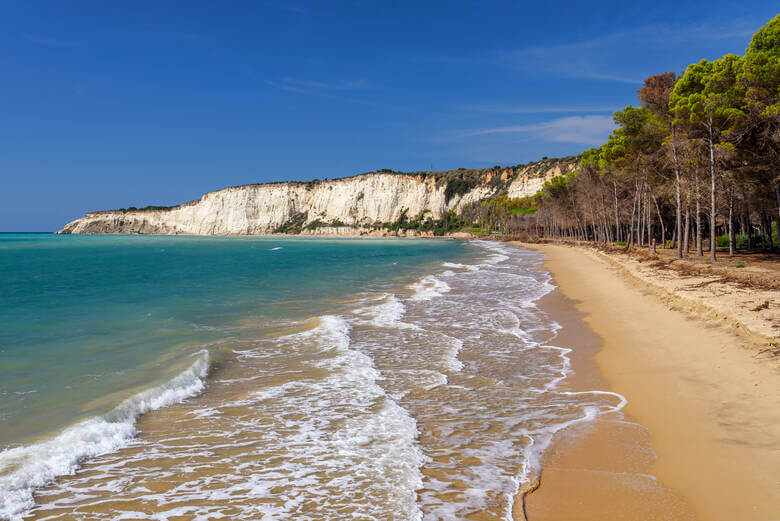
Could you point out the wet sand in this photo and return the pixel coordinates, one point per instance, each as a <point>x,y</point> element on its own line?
<point>700,436</point>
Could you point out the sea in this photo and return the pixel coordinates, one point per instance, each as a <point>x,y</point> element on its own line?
<point>265,378</point>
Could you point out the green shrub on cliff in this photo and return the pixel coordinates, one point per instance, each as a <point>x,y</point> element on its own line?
<point>458,186</point>
<point>316,223</point>
<point>422,222</point>
<point>144,209</point>
<point>294,224</point>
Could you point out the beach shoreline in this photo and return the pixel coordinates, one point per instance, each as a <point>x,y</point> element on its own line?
<point>699,436</point>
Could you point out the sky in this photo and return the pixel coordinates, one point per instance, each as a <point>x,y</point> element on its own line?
<point>114,104</point>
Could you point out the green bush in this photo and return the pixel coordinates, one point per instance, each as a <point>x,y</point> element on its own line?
<point>399,223</point>
<point>740,241</point>
<point>316,223</point>
<point>294,225</point>
<point>741,265</point>
<point>523,211</point>
<point>144,209</point>
<point>456,186</point>
<point>620,243</point>
<point>451,222</point>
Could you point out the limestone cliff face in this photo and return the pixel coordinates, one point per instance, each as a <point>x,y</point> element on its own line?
<point>350,206</point>
<point>530,178</point>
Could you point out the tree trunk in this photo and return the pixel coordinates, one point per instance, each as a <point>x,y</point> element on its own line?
<point>765,234</point>
<point>687,239</point>
<point>777,200</point>
<point>638,234</point>
<point>606,235</point>
<point>742,224</point>
<point>630,241</point>
<point>712,195</point>
<point>731,222</point>
<point>776,182</point>
<point>699,245</point>
<point>648,220</point>
<point>663,229</point>
<point>617,218</point>
<point>677,188</point>
<point>639,228</point>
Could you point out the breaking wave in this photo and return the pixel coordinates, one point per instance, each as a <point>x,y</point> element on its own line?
<point>27,468</point>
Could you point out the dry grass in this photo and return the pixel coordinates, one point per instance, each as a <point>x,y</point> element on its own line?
<point>764,272</point>
<point>758,269</point>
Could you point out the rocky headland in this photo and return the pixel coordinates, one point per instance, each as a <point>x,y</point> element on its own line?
<point>360,205</point>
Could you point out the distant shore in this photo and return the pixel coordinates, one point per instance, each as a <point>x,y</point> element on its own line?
<point>701,397</point>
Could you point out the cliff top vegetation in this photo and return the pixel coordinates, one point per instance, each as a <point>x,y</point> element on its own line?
<point>458,181</point>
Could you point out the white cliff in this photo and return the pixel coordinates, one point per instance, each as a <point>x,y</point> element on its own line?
<point>530,178</point>
<point>349,206</point>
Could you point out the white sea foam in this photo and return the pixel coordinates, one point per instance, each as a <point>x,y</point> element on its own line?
<point>428,287</point>
<point>468,267</point>
<point>307,442</point>
<point>498,255</point>
<point>276,248</point>
<point>453,265</point>
<point>390,433</point>
<point>511,382</point>
<point>24,469</point>
<point>387,313</point>
<point>378,445</point>
<point>451,351</point>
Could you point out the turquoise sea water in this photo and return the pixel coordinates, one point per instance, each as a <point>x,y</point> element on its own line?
<point>246,378</point>
<point>86,321</point>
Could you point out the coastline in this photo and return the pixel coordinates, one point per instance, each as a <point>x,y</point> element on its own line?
<point>698,400</point>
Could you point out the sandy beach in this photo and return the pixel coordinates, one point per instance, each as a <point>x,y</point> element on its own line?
<point>700,436</point>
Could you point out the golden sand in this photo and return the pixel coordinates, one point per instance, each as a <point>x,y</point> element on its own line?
<point>711,407</point>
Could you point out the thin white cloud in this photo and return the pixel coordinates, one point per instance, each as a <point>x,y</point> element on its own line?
<point>287,87</point>
<point>525,109</point>
<point>593,59</point>
<point>583,130</point>
<point>293,83</point>
<point>608,57</point>
<point>329,90</point>
<point>49,42</point>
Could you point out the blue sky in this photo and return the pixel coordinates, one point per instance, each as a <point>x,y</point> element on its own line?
<point>112,104</point>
